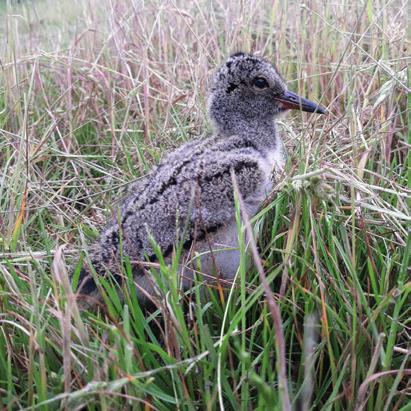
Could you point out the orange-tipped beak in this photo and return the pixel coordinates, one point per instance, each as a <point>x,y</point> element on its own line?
<point>290,100</point>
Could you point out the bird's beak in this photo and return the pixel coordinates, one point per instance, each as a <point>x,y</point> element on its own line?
<point>290,100</point>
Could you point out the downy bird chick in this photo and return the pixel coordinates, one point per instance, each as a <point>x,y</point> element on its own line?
<point>189,196</point>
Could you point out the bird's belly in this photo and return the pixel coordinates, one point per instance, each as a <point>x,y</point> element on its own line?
<point>218,254</point>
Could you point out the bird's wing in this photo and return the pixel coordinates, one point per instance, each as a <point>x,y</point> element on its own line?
<point>179,203</point>
<point>193,198</point>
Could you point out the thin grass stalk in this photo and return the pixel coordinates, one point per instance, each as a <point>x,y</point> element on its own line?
<point>273,306</point>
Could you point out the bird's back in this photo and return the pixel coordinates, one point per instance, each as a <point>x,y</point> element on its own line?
<point>187,197</point>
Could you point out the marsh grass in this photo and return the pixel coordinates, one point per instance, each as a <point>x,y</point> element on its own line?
<point>92,94</point>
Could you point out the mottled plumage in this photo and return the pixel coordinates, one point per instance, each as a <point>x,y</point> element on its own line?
<point>189,196</point>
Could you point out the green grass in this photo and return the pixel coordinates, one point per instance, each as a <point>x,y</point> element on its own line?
<point>91,96</point>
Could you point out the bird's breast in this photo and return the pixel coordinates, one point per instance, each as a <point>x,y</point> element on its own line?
<point>275,159</point>
<point>272,160</point>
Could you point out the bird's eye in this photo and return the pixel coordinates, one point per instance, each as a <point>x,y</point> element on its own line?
<point>260,82</point>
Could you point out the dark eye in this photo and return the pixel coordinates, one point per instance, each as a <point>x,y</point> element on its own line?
<point>260,82</point>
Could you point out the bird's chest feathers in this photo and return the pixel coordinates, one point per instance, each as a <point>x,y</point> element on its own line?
<point>273,160</point>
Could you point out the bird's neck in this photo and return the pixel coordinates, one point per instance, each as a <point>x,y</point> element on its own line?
<point>262,132</point>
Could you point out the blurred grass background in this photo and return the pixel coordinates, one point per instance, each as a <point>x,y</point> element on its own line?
<point>92,93</point>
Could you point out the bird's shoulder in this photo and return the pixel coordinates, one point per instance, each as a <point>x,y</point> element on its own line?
<point>201,162</point>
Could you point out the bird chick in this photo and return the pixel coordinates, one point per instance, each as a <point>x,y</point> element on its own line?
<point>189,198</point>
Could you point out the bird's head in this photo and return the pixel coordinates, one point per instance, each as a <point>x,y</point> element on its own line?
<point>248,88</point>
